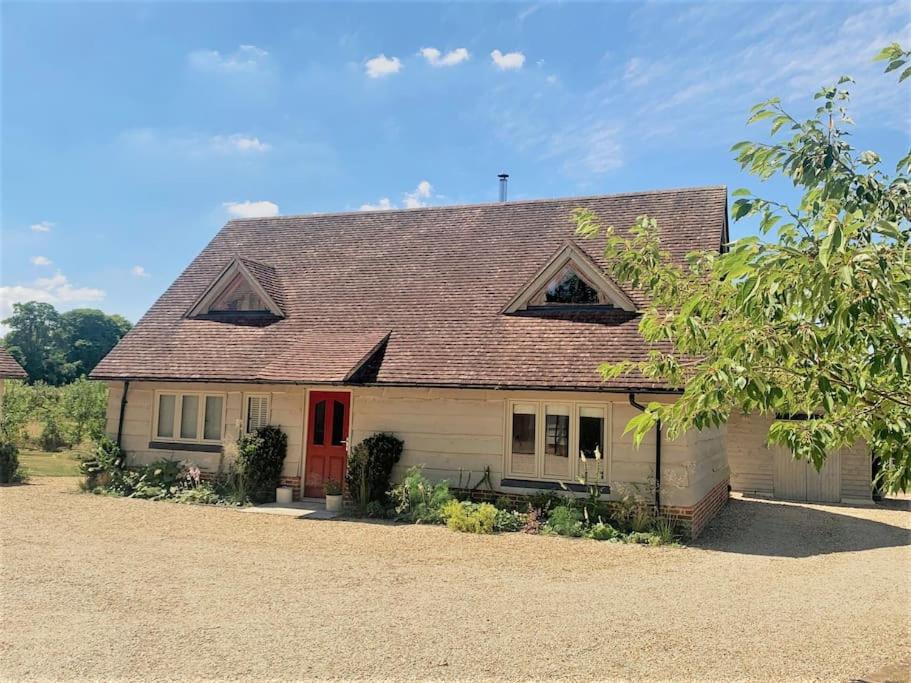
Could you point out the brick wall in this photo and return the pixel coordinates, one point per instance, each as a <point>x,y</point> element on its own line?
<point>694,519</point>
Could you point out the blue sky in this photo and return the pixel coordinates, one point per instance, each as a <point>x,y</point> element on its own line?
<point>131,132</point>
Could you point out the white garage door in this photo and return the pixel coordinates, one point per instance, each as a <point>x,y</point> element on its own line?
<point>799,480</point>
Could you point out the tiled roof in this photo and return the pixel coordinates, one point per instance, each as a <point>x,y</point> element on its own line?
<point>267,278</point>
<point>435,279</point>
<point>9,368</point>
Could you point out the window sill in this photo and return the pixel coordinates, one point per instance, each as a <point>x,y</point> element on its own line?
<point>549,485</point>
<point>183,446</point>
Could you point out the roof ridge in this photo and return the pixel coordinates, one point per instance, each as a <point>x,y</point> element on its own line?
<point>511,202</point>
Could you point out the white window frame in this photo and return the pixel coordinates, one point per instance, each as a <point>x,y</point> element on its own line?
<point>200,415</point>
<point>540,427</point>
<point>256,394</point>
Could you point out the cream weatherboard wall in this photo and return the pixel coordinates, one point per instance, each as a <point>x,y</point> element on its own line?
<point>753,464</point>
<point>286,410</point>
<point>449,431</point>
<point>445,430</point>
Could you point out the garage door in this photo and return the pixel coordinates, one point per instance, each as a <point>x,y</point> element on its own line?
<point>799,480</point>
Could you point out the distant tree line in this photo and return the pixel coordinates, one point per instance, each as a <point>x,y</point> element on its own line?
<point>57,348</point>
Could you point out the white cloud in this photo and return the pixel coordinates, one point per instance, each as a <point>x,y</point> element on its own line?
<point>195,145</point>
<point>508,61</point>
<point>246,59</point>
<point>248,209</point>
<point>436,58</point>
<point>238,143</point>
<point>414,200</point>
<point>382,65</point>
<point>139,271</point>
<point>552,79</point>
<point>43,226</point>
<point>40,261</point>
<point>639,72</point>
<point>587,149</point>
<point>383,205</point>
<point>410,200</point>
<point>52,290</point>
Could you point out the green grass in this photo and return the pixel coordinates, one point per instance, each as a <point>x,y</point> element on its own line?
<point>44,464</point>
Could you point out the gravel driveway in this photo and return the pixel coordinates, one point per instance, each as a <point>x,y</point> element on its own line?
<point>105,588</point>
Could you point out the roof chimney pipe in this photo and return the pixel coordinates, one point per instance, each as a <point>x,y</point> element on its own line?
<point>504,178</point>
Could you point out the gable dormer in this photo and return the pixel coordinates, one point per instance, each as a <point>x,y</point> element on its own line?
<point>570,279</point>
<point>243,289</point>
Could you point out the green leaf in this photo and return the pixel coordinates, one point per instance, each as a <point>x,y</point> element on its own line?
<point>760,115</point>
<point>741,192</point>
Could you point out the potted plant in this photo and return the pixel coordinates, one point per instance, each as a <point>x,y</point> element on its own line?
<point>333,491</point>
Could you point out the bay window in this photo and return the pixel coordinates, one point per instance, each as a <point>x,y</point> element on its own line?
<point>189,416</point>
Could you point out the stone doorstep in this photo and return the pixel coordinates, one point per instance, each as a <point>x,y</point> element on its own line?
<point>304,509</point>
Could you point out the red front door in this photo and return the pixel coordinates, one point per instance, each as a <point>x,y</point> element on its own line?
<point>327,440</point>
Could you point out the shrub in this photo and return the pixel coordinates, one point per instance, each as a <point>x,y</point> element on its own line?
<point>203,494</point>
<point>370,466</point>
<point>10,471</point>
<point>504,503</point>
<point>15,410</point>
<point>376,510</point>
<point>533,521</point>
<point>509,520</point>
<point>602,532</point>
<point>162,479</point>
<point>642,537</point>
<point>84,403</point>
<point>664,529</point>
<point>545,501</point>
<point>472,518</point>
<point>565,521</point>
<point>105,469</point>
<point>52,438</point>
<point>332,488</point>
<point>258,467</point>
<point>416,499</point>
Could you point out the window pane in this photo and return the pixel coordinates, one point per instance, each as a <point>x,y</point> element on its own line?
<point>211,429</point>
<point>338,422</point>
<point>523,434</point>
<point>556,442</point>
<point>166,404</point>
<point>189,412</point>
<point>591,444</point>
<point>319,423</point>
<point>569,288</point>
<point>556,435</point>
<point>238,296</point>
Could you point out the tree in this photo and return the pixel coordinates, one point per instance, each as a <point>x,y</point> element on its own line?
<point>88,335</point>
<point>34,338</point>
<point>813,325</point>
<point>55,348</point>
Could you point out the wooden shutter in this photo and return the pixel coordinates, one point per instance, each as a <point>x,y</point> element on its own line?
<point>257,412</point>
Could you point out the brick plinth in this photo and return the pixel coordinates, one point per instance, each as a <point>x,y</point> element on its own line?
<point>694,519</point>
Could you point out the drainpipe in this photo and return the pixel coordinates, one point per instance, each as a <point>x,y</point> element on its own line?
<point>634,404</point>
<point>123,409</point>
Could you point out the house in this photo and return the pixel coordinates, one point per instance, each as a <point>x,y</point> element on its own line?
<point>9,369</point>
<point>473,333</point>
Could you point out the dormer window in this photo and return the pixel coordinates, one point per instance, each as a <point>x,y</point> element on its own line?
<point>244,289</point>
<point>571,279</point>
<point>568,288</point>
<point>238,296</point>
